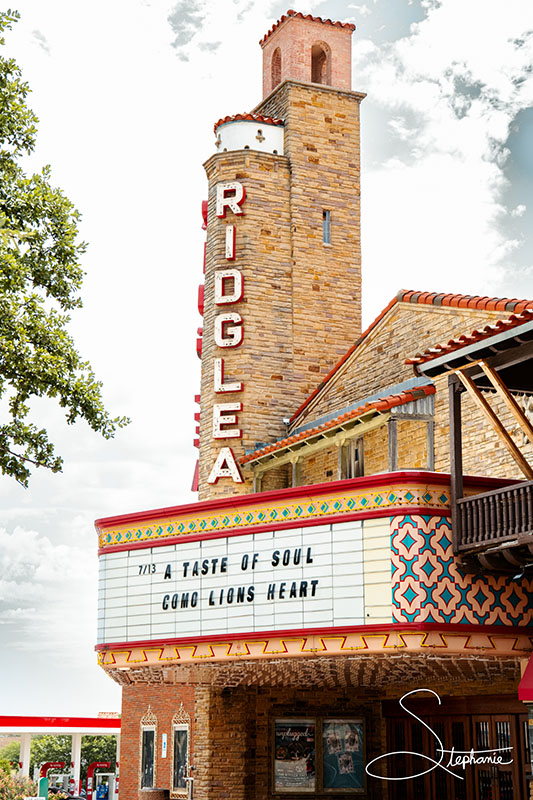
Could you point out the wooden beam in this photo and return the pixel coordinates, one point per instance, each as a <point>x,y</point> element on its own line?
<point>508,399</point>
<point>456,458</point>
<point>502,434</point>
<point>430,445</point>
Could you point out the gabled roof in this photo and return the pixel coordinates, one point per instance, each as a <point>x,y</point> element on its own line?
<point>472,302</point>
<point>298,14</point>
<point>378,406</point>
<point>501,326</point>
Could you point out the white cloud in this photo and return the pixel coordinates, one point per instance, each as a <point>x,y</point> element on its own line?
<point>452,103</point>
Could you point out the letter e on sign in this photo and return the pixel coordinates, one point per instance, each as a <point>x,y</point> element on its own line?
<point>232,195</point>
<point>220,419</point>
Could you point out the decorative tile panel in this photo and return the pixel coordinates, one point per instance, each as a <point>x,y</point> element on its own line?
<point>428,585</point>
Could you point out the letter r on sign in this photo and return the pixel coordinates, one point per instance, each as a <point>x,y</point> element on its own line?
<point>232,195</point>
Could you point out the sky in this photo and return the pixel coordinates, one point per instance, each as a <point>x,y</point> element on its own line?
<point>127,93</point>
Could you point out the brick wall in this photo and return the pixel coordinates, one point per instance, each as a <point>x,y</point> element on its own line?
<point>164,701</point>
<point>295,38</point>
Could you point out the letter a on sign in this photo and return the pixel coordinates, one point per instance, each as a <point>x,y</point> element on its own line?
<point>225,467</point>
<point>230,194</point>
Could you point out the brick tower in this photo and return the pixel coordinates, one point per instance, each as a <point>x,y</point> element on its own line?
<point>282,297</point>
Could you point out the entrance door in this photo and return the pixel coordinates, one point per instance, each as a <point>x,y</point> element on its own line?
<point>463,733</point>
<point>501,782</point>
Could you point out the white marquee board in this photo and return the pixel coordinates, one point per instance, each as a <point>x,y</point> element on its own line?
<point>234,584</point>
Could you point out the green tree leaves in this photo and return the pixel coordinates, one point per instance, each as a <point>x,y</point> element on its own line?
<point>40,276</point>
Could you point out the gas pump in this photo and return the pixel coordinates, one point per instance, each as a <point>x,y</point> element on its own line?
<point>115,793</point>
<point>43,773</point>
<point>59,780</point>
<point>90,775</point>
<point>103,786</point>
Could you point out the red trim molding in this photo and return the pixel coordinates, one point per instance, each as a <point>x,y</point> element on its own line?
<point>113,723</point>
<point>396,627</point>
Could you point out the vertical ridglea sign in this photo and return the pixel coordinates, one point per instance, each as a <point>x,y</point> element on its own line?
<point>228,333</point>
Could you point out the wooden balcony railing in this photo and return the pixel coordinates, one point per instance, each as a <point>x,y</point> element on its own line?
<point>496,517</point>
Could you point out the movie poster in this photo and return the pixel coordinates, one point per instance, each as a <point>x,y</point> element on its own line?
<point>294,755</point>
<point>342,754</point>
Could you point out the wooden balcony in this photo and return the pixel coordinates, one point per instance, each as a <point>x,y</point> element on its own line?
<point>497,526</point>
<point>493,529</point>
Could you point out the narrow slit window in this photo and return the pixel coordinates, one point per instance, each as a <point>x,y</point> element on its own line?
<point>326,226</point>
<point>148,752</point>
<point>181,757</point>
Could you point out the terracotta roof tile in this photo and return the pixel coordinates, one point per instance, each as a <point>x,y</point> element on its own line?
<point>476,336</point>
<point>248,118</point>
<point>383,404</point>
<point>309,17</point>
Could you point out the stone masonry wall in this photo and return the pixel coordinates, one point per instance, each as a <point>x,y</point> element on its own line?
<point>376,451</point>
<point>379,362</point>
<point>322,143</point>
<point>412,444</point>
<point>277,703</point>
<point>319,467</point>
<point>302,298</point>
<point>263,362</point>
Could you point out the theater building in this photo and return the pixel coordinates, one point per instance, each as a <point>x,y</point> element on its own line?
<point>364,527</point>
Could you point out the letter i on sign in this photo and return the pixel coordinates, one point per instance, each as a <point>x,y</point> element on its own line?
<point>230,242</point>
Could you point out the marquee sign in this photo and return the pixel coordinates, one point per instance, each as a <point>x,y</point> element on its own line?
<point>284,580</point>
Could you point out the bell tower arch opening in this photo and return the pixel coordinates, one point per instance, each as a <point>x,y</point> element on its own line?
<point>321,64</point>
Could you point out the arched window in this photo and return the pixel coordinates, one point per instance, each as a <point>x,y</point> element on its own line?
<point>320,64</point>
<point>276,68</point>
